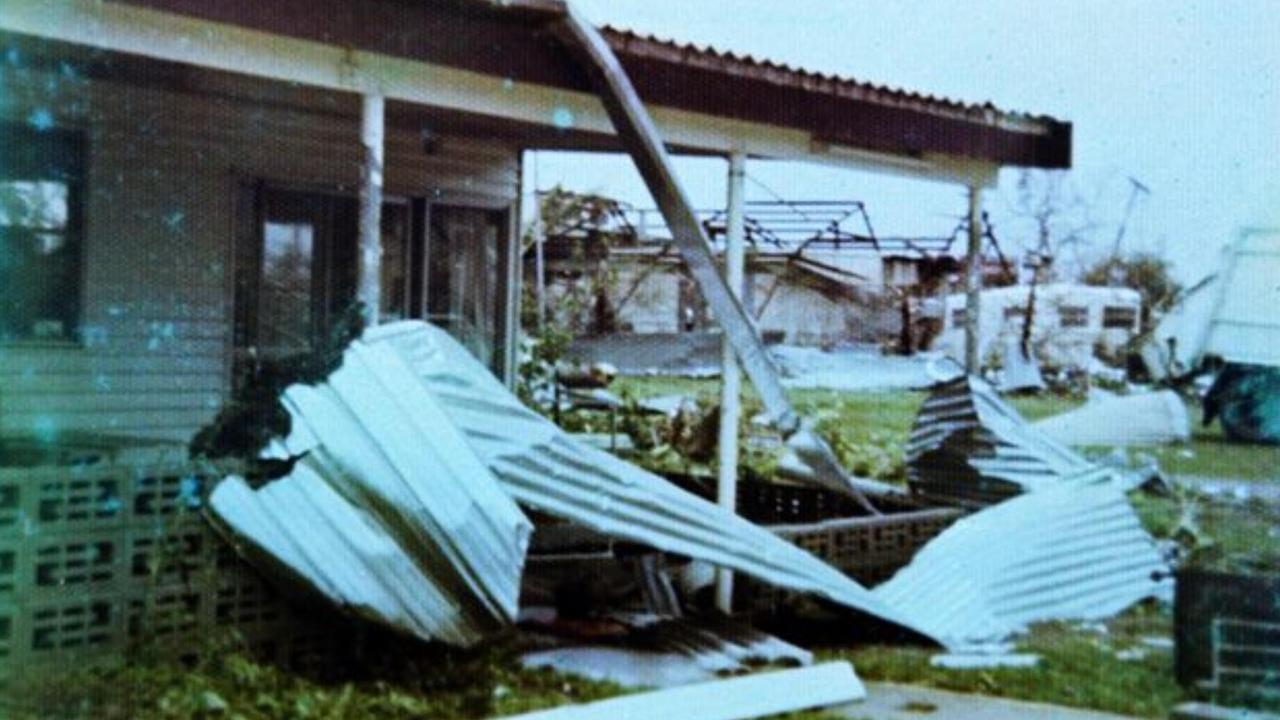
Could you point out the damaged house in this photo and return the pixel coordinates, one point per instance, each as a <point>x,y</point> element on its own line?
<point>191,188</point>
<point>816,274</point>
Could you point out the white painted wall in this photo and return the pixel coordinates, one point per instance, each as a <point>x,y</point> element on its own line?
<point>159,227</point>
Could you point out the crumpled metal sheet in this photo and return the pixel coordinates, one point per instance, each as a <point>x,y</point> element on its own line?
<point>1151,418</point>
<point>389,514</point>
<point>1067,552</point>
<point>1229,315</point>
<point>970,448</point>
<point>547,470</point>
<point>658,651</point>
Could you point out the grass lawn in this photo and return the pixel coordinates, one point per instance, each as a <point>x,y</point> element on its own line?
<point>440,685</point>
<point>885,418</point>
<point>1078,667</point>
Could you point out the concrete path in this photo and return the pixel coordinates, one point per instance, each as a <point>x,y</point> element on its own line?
<point>890,701</point>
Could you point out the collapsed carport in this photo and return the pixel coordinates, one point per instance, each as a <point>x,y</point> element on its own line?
<point>417,65</point>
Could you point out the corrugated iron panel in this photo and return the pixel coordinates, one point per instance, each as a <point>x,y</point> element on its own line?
<point>1140,419</point>
<point>971,448</point>
<point>545,469</point>
<point>1230,315</point>
<point>389,513</point>
<point>1067,552</point>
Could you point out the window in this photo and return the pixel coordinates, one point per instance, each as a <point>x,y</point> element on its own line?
<point>959,316</point>
<point>1014,311</point>
<point>296,266</point>
<point>1073,316</point>
<point>41,181</point>
<point>1123,318</point>
<point>466,277</point>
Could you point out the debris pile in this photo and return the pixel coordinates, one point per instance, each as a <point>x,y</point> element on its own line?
<point>386,511</point>
<point>969,448</point>
<point>1064,552</point>
<point>411,416</point>
<point>1151,418</point>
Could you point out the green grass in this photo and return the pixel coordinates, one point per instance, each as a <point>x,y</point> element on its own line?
<point>436,683</point>
<point>885,418</point>
<point>1078,667</point>
<point>1210,453</point>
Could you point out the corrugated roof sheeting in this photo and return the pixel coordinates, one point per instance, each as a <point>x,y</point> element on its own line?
<point>390,513</point>
<point>1230,315</point>
<point>971,448</point>
<point>543,468</point>
<point>1067,552</point>
<point>1148,418</point>
<point>665,652</point>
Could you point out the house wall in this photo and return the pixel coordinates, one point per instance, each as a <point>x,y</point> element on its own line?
<point>156,295</point>
<point>797,313</point>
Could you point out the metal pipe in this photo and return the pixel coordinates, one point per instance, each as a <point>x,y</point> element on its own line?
<point>372,131</point>
<point>730,374</point>
<point>973,282</point>
<point>640,136</point>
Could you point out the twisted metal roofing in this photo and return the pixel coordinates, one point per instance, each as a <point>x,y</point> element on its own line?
<point>389,514</point>
<point>971,448</point>
<point>547,470</point>
<point>1065,552</point>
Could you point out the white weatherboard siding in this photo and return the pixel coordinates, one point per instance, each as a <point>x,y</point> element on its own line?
<point>159,223</point>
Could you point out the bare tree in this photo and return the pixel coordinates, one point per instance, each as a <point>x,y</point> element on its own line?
<point>1049,217</point>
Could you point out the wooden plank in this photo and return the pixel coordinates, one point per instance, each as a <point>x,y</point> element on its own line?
<point>749,696</point>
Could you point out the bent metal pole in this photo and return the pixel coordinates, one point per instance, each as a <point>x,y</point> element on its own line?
<point>640,137</point>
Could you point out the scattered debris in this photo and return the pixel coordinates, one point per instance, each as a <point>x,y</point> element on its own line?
<point>669,405</point>
<point>970,448</point>
<point>612,442</point>
<point>1209,711</point>
<point>749,696</point>
<point>984,661</point>
<point>660,652</point>
<point>1064,552</point>
<point>548,471</point>
<point>1135,654</point>
<point>387,511</point>
<point>855,369</point>
<point>1152,418</point>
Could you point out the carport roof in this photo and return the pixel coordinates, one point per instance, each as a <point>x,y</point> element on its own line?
<point>481,37</point>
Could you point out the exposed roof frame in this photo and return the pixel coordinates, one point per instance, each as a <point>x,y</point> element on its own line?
<point>184,39</point>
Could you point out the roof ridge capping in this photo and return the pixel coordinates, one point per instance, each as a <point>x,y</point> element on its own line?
<point>629,42</point>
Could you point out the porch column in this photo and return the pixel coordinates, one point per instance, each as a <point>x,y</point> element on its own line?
<point>973,282</point>
<point>368,283</point>
<point>730,374</point>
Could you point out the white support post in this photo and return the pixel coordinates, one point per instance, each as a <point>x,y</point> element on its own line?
<point>973,282</point>
<point>368,283</point>
<point>730,373</point>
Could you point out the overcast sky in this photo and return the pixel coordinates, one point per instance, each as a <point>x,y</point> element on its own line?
<point>1183,95</point>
